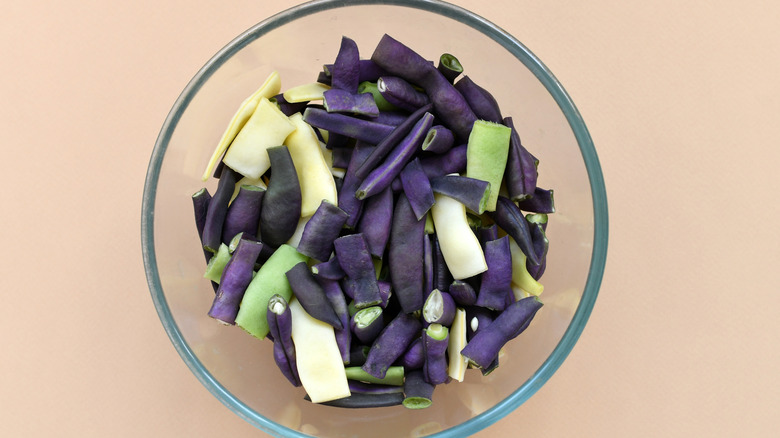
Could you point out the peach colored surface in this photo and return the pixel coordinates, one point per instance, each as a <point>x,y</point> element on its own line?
<point>682,100</point>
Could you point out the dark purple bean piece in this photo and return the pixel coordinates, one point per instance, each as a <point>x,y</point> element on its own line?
<point>438,140</point>
<point>480,100</point>
<point>288,108</point>
<point>358,387</point>
<point>360,400</point>
<point>360,282</point>
<point>367,323</point>
<point>395,118</point>
<point>335,295</point>
<point>311,295</point>
<point>365,130</point>
<point>521,174</point>
<point>439,308</point>
<point>219,168</point>
<point>454,161</point>
<point>492,367</point>
<point>389,143</point>
<point>282,200</point>
<point>323,77</point>
<point>369,71</point>
<point>341,156</point>
<point>376,221</point>
<point>243,215</point>
<point>347,200</point>
<point>234,281</point>
<point>391,344</point>
<point>496,283</point>
<point>382,176</point>
<point>289,369</point>
<point>450,106</point>
<point>462,293</point>
<point>386,291</point>
<point>401,93</point>
<point>435,340</point>
<point>417,188</point>
<point>405,256</point>
<point>449,66</point>
<point>486,234</point>
<point>509,217</point>
<point>483,348</point>
<point>541,202</point>
<point>413,357</point>
<point>471,192</point>
<point>218,206</point>
<point>345,73</point>
<point>341,101</point>
<point>537,271</point>
<point>419,393</point>
<point>358,353</point>
<point>200,205</point>
<point>321,230</point>
<point>540,243</point>
<point>280,329</point>
<point>337,141</point>
<point>330,270</point>
<point>441,273</point>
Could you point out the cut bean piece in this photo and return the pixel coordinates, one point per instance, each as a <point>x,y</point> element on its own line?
<point>391,344</point>
<point>405,256</point>
<point>483,348</point>
<point>473,193</point>
<point>417,188</point>
<point>488,148</point>
<point>459,246</point>
<point>234,281</point>
<point>419,392</point>
<point>401,94</point>
<point>449,66</point>
<point>322,230</point>
<point>381,177</point>
<point>282,201</point>
<point>311,295</point>
<point>271,86</point>
<point>360,281</point>
<point>268,127</point>
<point>319,362</point>
<point>438,140</point>
<point>359,129</point>
<point>314,176</point>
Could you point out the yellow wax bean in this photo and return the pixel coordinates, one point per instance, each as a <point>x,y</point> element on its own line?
<point>317,356</point>
<point>460,247</point>
<point>316,180</point>
<point>305,92</point>
<point>271,87</point>
<point>267,127</point>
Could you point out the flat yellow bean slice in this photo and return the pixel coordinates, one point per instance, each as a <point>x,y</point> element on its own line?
<point>271,87</point>
<point>305,92</point>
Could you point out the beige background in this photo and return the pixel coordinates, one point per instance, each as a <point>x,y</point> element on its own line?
<point>682,100</point>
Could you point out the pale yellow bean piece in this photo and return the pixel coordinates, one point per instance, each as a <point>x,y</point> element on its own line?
<point>271,87</point>
<point>316,180</point>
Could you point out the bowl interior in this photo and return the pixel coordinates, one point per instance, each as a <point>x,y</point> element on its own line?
<point>239,369</point>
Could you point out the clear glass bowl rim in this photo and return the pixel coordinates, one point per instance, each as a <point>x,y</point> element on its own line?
<point>511,44</point>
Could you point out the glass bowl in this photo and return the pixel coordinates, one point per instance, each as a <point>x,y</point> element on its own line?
<point>237,368</point>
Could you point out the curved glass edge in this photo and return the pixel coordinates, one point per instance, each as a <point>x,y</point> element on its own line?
<point>601,227</point>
